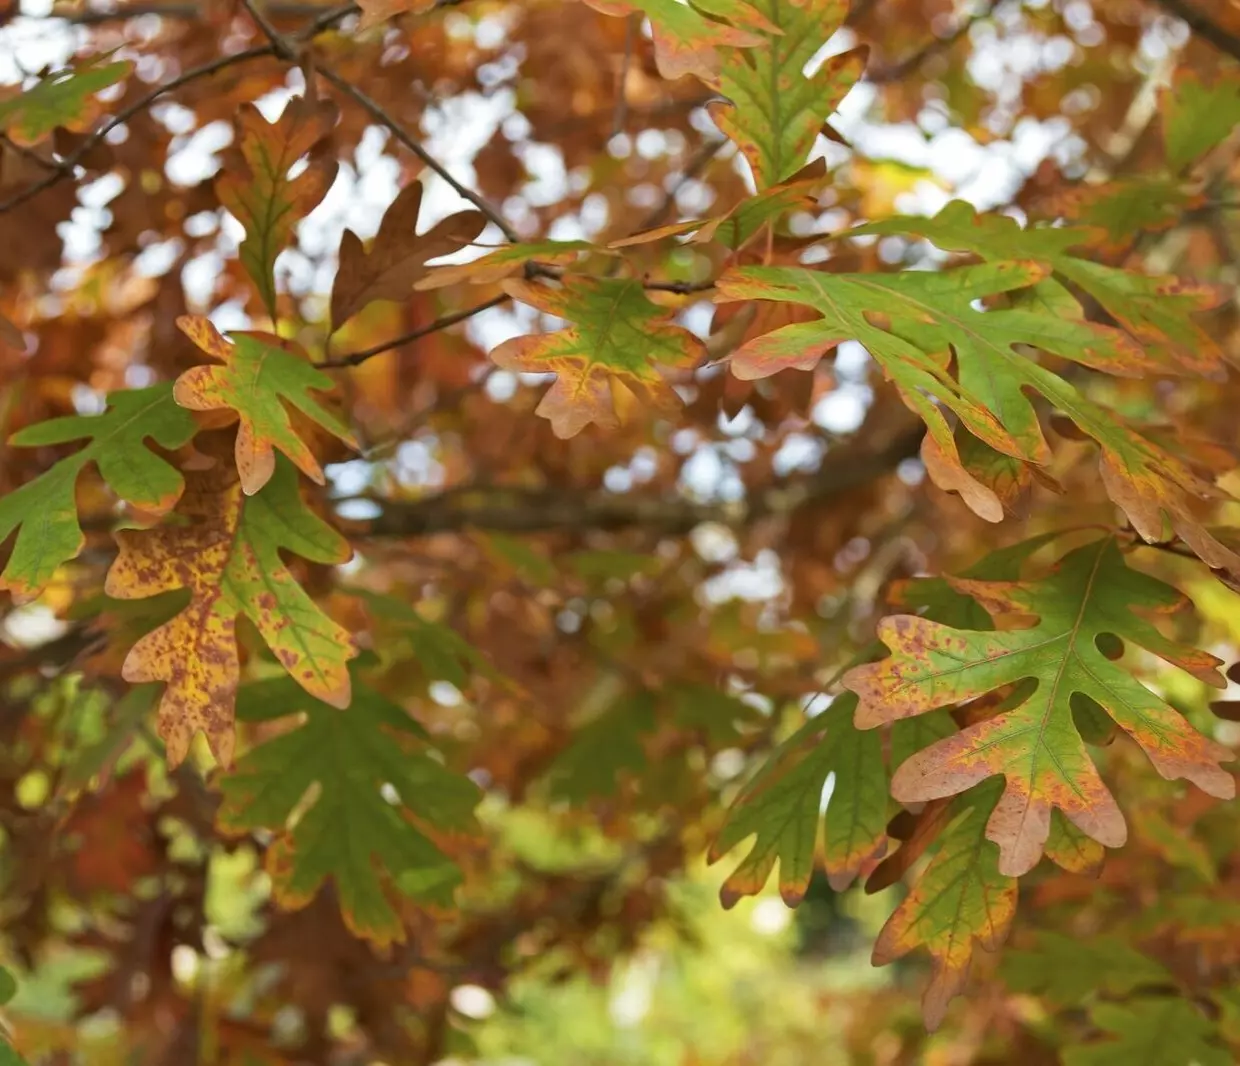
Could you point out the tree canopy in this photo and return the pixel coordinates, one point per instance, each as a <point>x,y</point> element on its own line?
<point>479,474</point>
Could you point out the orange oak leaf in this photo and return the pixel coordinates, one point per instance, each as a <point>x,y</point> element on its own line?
<point>227,554</point>
<point>398,256</point>
<point>375,12</point>
<point>260,374</point>
<point>1090,598</point>
<point>616,338</point>
<point>256,187</point>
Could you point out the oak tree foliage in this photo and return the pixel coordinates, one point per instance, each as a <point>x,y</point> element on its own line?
<point>772,436</point>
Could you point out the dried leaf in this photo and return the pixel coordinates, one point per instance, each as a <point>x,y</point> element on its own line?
<point>397,257</point>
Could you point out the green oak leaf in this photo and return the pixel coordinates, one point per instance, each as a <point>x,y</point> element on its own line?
<point>615,337</point>
<point>44,511</point>
<point>351,832</point>
<point>774,112</point>
<point>63,98</point>
<point>1197,115</point>
<point>1167,1030</point>
<point>1069,969</point>
<point>1036,745</point>
<point>782,809</point>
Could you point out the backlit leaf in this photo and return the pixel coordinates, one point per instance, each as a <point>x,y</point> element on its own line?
<point>368,845</point>
<point>1036,745</point>
<point>960,902</point>
<point>261,373</point>
<point>687,37</point>
<point>782,809</point>
<point>44,511</point>
<point>255,185</point>
<point>616,338</point>
<point>227,554</point>
<point>775,112</point>
<point>64,98</point>
<point>506,261</point>
<point>397,257</point>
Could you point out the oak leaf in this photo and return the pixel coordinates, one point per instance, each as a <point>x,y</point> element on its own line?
<point>1068,970</point>
<point>44,511</point>
<point>261,373</point>
<point>351,832</point>
<point>1168,1030</point>
<point>397,257</point>
<point>774,111</point>
<point>256,186</point>
<point>506,261</point>
<point>782,809</point>
<point>1197,115</point>
<point>1091,596</point>
<point>375,12</point>
<point>688,37</point>
<point>616,338</point>
<point>227,555</point>
<point>64,98</point>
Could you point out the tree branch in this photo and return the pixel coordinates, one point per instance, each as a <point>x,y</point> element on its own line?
<point>1208,30</point>
<point>186,12</point>
<point>512,510</point>
<point>356,358</point>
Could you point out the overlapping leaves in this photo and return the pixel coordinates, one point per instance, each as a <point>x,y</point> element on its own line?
<point>226,553</point>
<point>1091,598</point>
<point>351,833</point>
<point>44,511</point>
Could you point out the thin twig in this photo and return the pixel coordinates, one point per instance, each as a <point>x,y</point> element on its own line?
<point>405,138</point>
<point>909,64</point>
<point>278,43</point>
<point>29,153</point>
<point>66,166</point>
<point>178,12</point>
<point>355,358</point>
<point>699,161</point>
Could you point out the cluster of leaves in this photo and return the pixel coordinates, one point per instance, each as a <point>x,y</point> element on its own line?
<point>521,618</point>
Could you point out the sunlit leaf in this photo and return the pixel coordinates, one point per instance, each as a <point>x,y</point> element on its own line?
<point>260,375</point>
<point>63,98</point>
<point>616,338</point>
<point>1197,114</point>
<point>227,554</point>
<point>1036,745</point>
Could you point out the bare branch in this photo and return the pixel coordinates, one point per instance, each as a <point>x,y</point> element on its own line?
<point>909,64</point>
<point>405,138</point>
<point>278,43</point>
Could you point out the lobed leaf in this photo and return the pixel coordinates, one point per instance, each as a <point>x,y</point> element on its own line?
<point>227,554</point>
<point>44,511</point>
<point>376,12</point>
<point>774,111</point>
<point>1197,115</point>
<point>616,338</point>
<point>255,183</point>
<point>64,98</point>
<point>351,832</point>
<point>507,261</point>
<point>1036,745</point>
<point>1168,1030</point>
<point>260,374</point>
<point>397,257</point>
<point>782,808</point>
<point>1068,970</point>
<point>961,902</point>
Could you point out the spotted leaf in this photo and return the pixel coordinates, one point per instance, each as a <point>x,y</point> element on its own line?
<point>368,843</point>
<point>261,373</point>
<point>616,338</point>
<point>255,183</point>
<point>44,511</point>
<point>781,808</point>
<point>774,111</point>
<point>1088,600</point>
<point>226,553</point>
